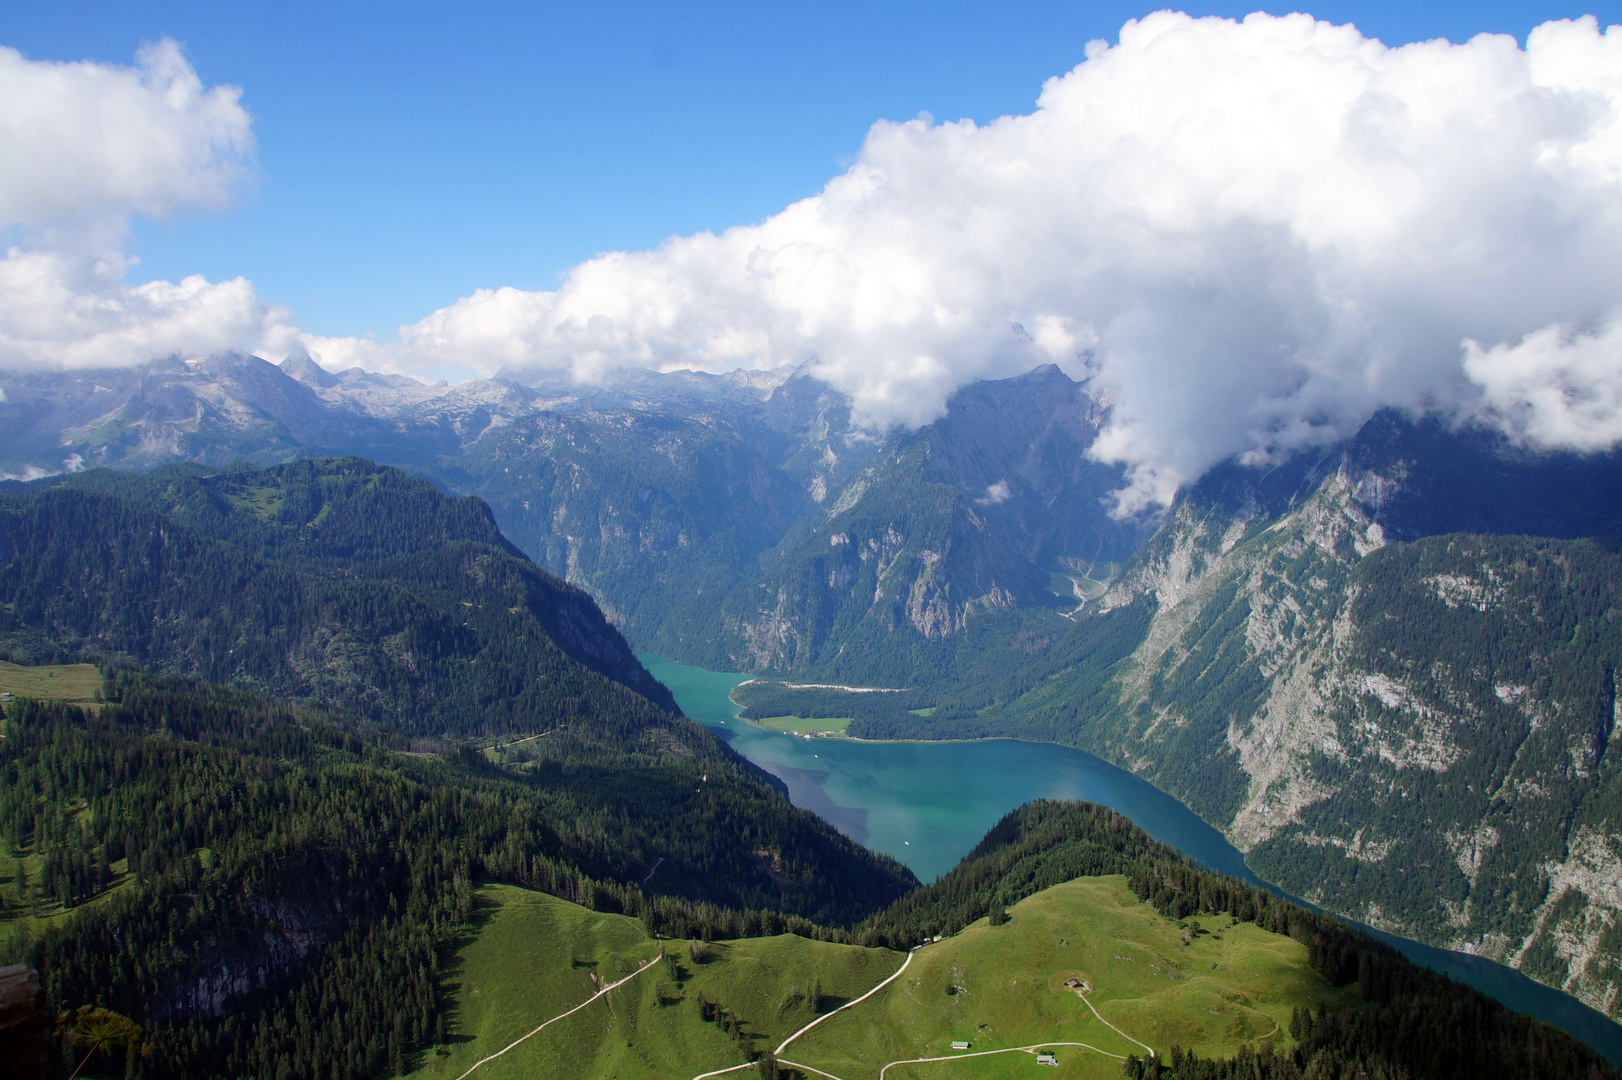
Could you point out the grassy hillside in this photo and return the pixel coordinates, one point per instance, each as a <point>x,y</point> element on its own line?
<point>1211,987</point>
<point>1242,999</point>
<point>1207,984</point>
<point>532,957</point>
<point>76,683</point>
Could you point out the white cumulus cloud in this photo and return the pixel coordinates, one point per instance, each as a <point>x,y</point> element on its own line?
<point>996,493</point>
<point>83,147</point>
<point>1251,234</point>
<point>1553,388</point>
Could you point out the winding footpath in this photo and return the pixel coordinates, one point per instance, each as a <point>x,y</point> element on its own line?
<point>1115,1029</point>
<point>778,1053</point>
<point>849,1004</point>
<point>561,1016</point>
<point>515,742</point>
<point>1031,1049</point>
<point>723,1072</point>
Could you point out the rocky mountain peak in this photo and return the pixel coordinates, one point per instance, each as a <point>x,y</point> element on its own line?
<point>299,366</point>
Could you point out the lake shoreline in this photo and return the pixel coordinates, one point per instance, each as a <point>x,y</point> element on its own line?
<point>929,802</point>
<point>894,742</point>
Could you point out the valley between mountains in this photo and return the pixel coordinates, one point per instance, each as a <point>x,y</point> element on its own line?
<point>358,724</point>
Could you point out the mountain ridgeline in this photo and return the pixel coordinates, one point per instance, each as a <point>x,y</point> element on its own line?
<point>339,581</point>
<point>1386,669</point>
<point>1420,733</point>
<point>739,522</point>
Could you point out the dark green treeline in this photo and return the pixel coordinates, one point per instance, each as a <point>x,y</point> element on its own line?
<point>291,882</point>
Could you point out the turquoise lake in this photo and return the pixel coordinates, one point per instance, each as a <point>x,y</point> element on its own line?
<point>929,803</point>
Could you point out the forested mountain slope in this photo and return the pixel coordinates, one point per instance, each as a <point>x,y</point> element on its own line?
<point>1419,734</point>
<point>336,580</point>
<point>223,865</point>
<point>657,514</point>
<point>737,521</point>
<point>223,869</point>
<point>995,511</point>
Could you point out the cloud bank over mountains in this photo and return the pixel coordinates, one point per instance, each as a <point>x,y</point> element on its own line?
<point>1249,235</point>
<point>83,147</point>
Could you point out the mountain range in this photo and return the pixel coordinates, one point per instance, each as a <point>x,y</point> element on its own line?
<point>1386,669</point>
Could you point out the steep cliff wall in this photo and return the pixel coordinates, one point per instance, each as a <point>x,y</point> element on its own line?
<point>1419,734</point>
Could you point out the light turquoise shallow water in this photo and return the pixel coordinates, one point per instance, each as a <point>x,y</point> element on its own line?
<point>929,803</point>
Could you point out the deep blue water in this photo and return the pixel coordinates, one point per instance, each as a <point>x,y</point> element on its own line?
<point>929,803</point>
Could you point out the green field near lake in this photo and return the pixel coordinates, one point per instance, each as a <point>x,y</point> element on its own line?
<point>796,725</point>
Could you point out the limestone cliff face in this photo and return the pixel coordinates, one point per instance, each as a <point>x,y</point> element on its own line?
<point>701,512</point>
<point>276,936</point>
<point>1575,939</point>
<point>1419,734</point>
<point>980,512</point>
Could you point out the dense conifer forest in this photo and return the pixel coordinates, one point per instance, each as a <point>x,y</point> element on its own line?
<point>235,869</point>
<point>338,581</point>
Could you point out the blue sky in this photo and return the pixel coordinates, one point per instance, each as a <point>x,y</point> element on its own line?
<point>411,153</point>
